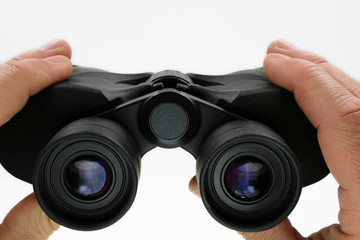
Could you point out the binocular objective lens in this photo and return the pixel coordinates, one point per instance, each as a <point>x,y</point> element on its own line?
<point>247,178</point>
<point>88,177</point>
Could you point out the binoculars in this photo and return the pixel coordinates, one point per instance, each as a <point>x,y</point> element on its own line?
<point>80,143</point>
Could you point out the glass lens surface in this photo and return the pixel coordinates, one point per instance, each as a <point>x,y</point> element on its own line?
<point>247,178</point>
<point>88,177</point>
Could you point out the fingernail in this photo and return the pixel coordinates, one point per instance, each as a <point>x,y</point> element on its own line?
<point>53,44</point>
<point>284,45</point>
<point>56,59</point>
<point>278,56</point>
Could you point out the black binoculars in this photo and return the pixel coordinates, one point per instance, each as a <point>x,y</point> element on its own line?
<point>80,142</point>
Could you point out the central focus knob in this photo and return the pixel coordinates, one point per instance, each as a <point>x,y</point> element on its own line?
<point>169,118</point>
<point>169,121</point>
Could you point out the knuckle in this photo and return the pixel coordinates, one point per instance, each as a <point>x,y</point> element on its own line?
<point>351,113</point>
<point>13,78</point>
<point>316,59</point>
<point>12,69</point>
<point>319,60</point>
<point>312,71</point>
<point>36,52</point>
<point>29,54</point>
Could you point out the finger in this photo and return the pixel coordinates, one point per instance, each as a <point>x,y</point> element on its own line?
<point>283,231</point>
<point>27,221</point>
<point>323,99</point>
<point>335,112</point>
<point>194,187</point>
<point>53,48</point>
<point>285,48</point>
<point>23,78</point>
<point>331,108</point>
<point>349,214</point>
<point>332,232</point>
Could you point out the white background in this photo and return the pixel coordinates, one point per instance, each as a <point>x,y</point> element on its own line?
<point>209,37</point>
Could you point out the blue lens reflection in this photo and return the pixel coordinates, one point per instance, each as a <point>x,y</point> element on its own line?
<point>247,178</point>
<point>88,177</point>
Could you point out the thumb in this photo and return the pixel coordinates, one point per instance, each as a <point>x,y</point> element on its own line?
<point>27,221</point>
<point>22,78</point>
<point>283,231</point>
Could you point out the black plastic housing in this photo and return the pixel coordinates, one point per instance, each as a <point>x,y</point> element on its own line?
<point>129,114</point>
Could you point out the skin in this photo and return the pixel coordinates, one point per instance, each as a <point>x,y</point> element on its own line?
<point>328,97</point>
<point>331,100</point>
<point>20,78</point>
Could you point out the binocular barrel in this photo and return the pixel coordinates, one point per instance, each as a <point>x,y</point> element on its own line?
<point>84,139</point>
<point>86,177</point>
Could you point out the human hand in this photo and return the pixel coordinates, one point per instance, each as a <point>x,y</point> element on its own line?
<point>20,78</point>
<point>331,101</point>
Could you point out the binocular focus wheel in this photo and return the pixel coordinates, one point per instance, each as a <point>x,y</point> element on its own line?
<point>249,178</point>
<point>86,177</point>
